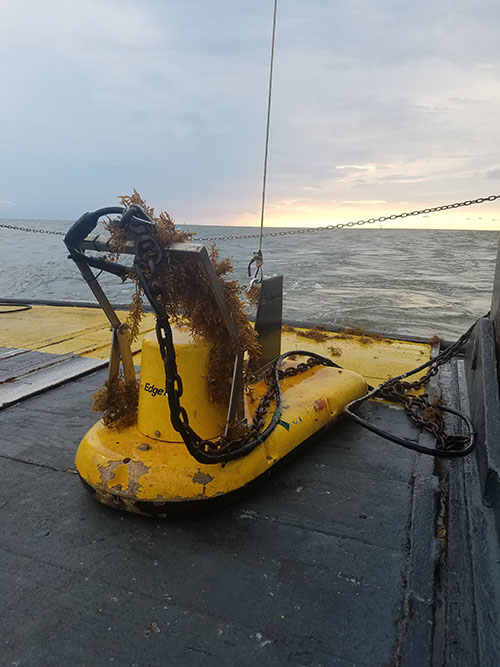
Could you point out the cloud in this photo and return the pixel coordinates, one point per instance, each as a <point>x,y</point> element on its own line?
<point>370,103</point>
<point>364,202</point>
<point>359,167</point>
<point>492,173</point>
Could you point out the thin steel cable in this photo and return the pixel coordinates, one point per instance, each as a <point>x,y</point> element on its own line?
<point>268,123</point>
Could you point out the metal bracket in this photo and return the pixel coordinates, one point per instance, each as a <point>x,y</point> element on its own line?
<point>268,320</point>
<point>180,252</point>
<point>120,347</point>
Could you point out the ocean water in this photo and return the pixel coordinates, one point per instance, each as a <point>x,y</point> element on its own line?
<point>405,281</point>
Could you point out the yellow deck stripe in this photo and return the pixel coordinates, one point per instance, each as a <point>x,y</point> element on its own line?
<point>86,331</point>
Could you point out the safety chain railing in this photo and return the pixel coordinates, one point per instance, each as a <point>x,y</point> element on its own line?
<point>359,223</point>
<point>31,229</point>
<point>307,230</point>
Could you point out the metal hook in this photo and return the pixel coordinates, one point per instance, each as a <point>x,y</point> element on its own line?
<point>258,259</point>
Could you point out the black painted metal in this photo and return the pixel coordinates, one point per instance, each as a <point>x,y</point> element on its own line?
<point>269,317</point>
<point>468,572</point>
<point>480,367</point>
<point>495,306</point>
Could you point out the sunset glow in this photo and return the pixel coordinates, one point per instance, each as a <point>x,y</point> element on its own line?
<point>303,214</point>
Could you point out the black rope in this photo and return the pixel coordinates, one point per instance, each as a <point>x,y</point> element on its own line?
<point>411,444</point>
<point>18,307</point>
<point>469,440</point>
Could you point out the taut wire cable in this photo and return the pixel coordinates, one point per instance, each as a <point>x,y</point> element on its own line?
<point>268,123</point>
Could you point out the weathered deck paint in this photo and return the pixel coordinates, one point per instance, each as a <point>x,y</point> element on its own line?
<point>47,345</point>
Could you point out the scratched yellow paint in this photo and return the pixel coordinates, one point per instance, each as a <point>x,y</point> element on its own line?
<point>168,473</point>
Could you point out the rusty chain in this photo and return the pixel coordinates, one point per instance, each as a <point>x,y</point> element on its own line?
<point>428,416</point>
<point>422,412</point>
<point>308,230</point>
<point>299,368</point>
<point>260,413</point>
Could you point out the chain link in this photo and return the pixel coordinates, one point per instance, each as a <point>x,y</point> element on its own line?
<point>422,412</point>
<point>32,229</point>
<point>308,230</point>
<point>359,223</point>
<point>241,438</point>
<point>147,263</point>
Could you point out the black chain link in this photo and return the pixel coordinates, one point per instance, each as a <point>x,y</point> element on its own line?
<point>368,221</point>
<point>149,256</point>
<point>32,229</point>
<point>308,230</point>
<point>147,262</point>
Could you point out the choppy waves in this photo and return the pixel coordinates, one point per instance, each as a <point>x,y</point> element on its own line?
<point>419,282</point>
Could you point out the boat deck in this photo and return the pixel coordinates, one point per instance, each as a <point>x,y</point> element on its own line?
<point>358,552</point>
<point>49,344</point>
<point>317,567</point>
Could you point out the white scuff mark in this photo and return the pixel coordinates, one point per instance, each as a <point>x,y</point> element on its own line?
<point>341,500</point>
<point>350,580</point>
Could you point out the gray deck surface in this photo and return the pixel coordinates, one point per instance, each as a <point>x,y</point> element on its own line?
<point>25,373</point>
<point>330,562</point>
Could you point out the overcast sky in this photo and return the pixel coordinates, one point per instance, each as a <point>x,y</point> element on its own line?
<point>378,106</point>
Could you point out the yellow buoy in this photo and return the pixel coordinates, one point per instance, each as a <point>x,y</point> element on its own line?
<point>146,468</point>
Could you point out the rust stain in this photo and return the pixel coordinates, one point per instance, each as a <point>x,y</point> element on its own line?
<point>317,334</point>
<point>320,404</point>
<point>202,478</point>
